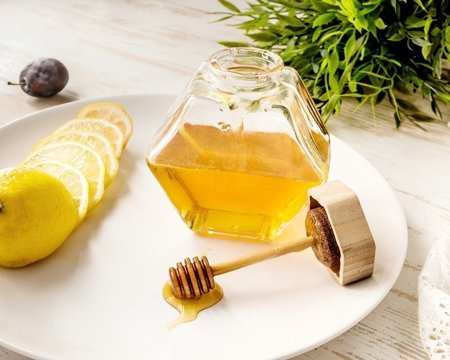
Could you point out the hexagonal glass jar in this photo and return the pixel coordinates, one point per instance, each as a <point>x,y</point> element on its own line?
<point>241,146</point>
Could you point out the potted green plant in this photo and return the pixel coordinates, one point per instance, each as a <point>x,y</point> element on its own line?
<point>367,50</point>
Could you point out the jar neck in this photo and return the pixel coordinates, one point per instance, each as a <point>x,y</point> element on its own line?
<point>246,68</point>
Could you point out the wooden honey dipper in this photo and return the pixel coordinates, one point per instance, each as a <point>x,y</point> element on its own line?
<point>337,232</point>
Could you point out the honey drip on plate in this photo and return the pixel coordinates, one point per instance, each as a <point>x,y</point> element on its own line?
<point>189,309</point>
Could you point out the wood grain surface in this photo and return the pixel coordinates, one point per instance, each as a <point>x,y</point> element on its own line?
<point>136,46</point>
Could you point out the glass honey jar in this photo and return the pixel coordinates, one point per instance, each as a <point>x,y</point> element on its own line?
<point>241,146</point>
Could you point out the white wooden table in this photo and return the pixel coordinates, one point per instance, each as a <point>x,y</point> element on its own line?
<point>136,46</point>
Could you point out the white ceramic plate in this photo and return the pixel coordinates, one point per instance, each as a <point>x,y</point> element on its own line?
<point>99,295</point>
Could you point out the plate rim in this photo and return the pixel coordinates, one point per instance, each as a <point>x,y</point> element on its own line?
<point>287,355</point>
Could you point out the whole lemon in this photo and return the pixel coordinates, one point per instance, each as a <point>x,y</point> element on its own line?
<point>37,213</point>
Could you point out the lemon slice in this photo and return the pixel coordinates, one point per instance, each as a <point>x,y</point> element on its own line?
<point>72,179</point>
<point>95,141</point>
<point>111,112</point>
<point>105,128</point>
<point>82,158</point>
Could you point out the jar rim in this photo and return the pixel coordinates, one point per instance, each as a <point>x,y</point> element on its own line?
<point>245,63</point>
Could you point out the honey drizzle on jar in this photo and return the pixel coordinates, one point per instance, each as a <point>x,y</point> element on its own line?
<point>189,309</point>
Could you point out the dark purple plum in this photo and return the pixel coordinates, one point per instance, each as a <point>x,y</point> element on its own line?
<point>43,78</point>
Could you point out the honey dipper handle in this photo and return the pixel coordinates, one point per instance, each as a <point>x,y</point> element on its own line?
<point>273,252</point>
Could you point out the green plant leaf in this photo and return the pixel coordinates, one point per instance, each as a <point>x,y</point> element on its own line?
<point>330,35</point>
<point>397,37</point>
<point>420,41</point>
<point>334,85</point>
<point>419,2</point>
<point>417,25</point>
<point>323,19</point>
<point>316,34</point>
<point>291,43</point>
<point>229,6</point>
<point>426,28</point>
<point>291,20</point>
<point>389,60</point>
<point>333,62</point>
<point>222,19</point>
<point>234,44</point>
<point>263,36</point>
<point>255,24</point>
<point>379,23</point>
<point>411,20</point>
<point>426,50</point>
<point>349,5</point>
<point>437,65</point>
<point>350,47</point>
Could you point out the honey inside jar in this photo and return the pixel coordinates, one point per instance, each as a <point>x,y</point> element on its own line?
<point>234,183</point>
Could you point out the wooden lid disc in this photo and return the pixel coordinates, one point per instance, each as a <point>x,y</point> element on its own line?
<point>349,227</point>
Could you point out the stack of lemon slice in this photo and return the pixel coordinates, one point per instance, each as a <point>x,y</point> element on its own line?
<point>83,153</point>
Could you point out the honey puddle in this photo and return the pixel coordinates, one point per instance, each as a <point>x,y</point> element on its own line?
<point>189,309</point>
